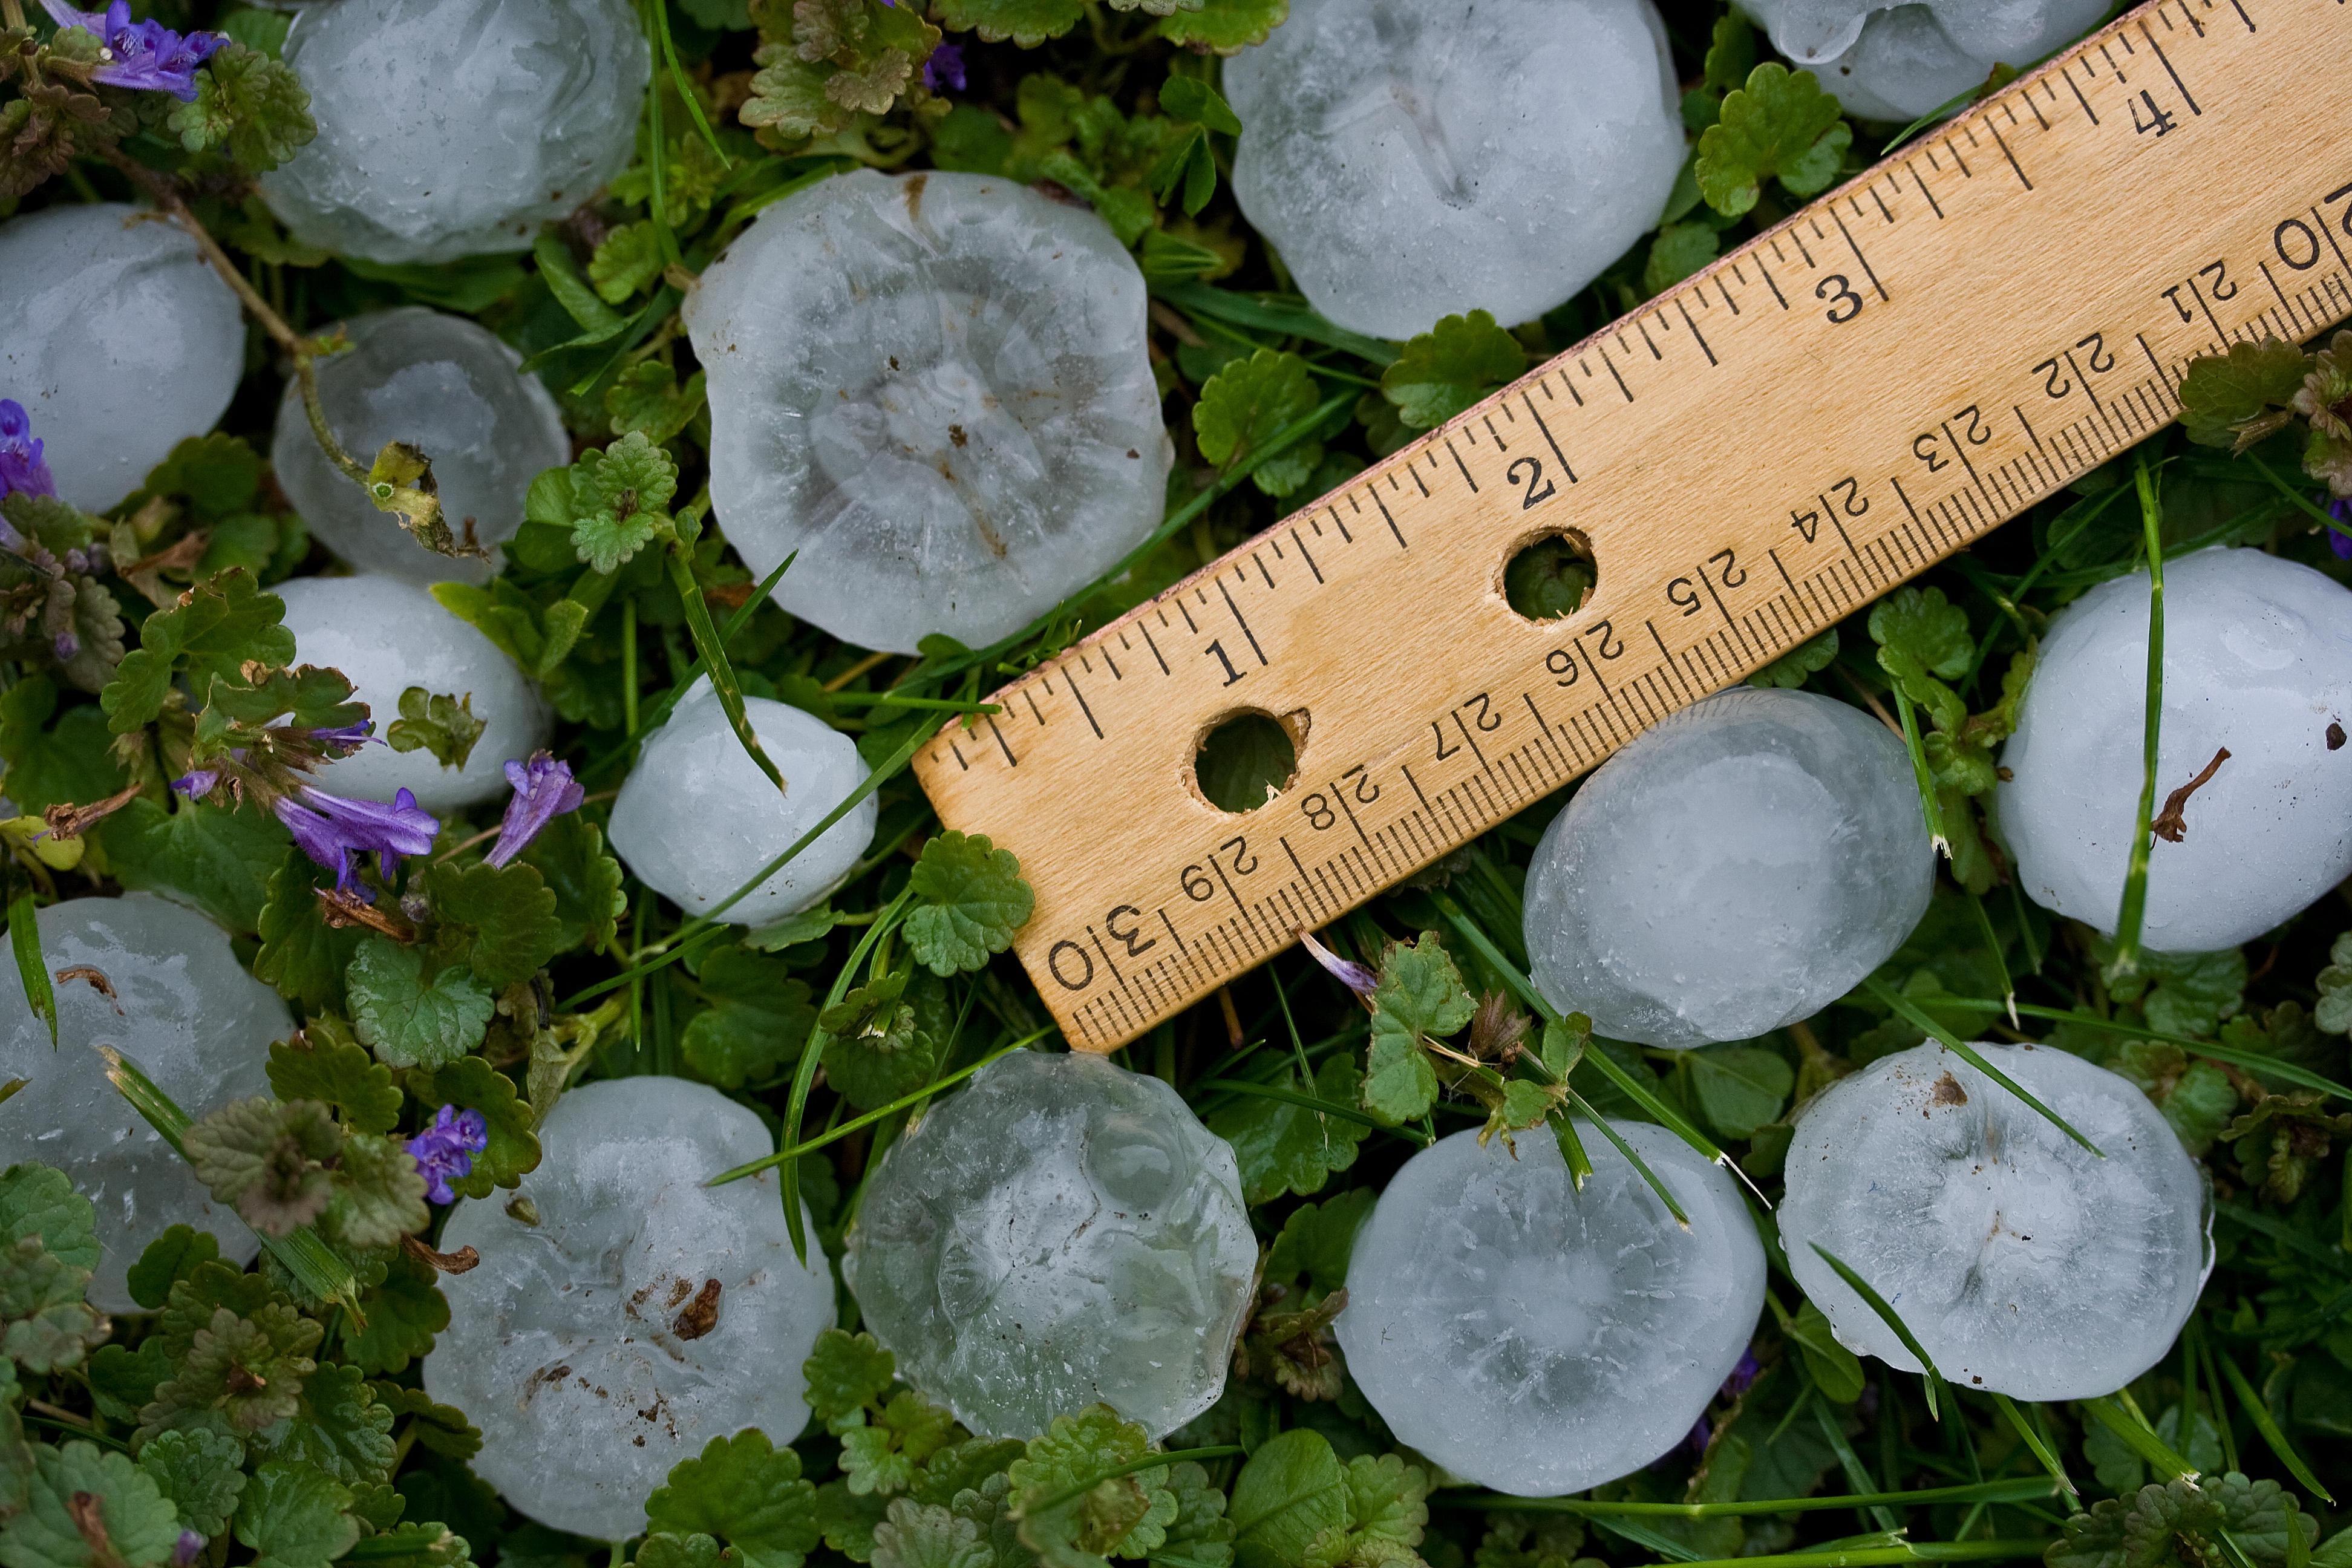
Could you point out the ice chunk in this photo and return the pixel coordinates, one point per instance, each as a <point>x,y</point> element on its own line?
<point>2257,658</point>
<point>1411,159</point>
<point>586,1346</point>
<point>448,128</point>
<point>1061,1232</point>
<point>185,1009</point>
<point>1740,866</point>
<point>696,815</point>
<point>443,384</point>
<point>2023,1263</point>
<point>1898,62</point>
<point>387,636</point>
<point>935,388</point>
<point>117,338</point>
<point>1539,1340</point>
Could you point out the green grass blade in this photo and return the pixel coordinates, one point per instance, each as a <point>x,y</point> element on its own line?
<point>2267,1424</point>
<point>1993,946</point>
<point>641,726</point>
<point>1922,775</point>
<point>1909,1552</point>
<point>1915,1014</point>
<point>2220,1053</point>
<point>1578,1103</point>
<point>25,937</point>
<point>1857,1474</point>
<point>1292,1096</point>
<point>2032,1435</point>
<point>1888,1315</point>
<point>2133,910</point>
<point>2138,1437</point>
<point>1273,316</point>
<point>714,657</point>
<point>2018,1489</point>
<point>684,88</point>
<point>1641,1534</point>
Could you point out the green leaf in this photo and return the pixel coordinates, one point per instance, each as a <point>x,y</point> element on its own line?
<point>1250,401</point>
<point>972,900</point>
<point>1679,250</point>
<point>404,1312</point>
<point>2179,1524</point>
<point>266,1160</point>
<point>2196,1098</point>
<point>885,1456</point>
<point>47,1246</point>
<point>1285,1148</point>
<point>918,1535</point>
<point>1836,1370</point>
<point>250,103</point>
<point>1188,98</point>
<point>1028,23</point>
<point>168,1260</point>
<point>1420,992</point>
<point>68,763</point>
<point>1073,1517</point>
<point>2223,396</point>
<point>1445,369</point>
<point>646,399</point>
<point>570,856</point>
<point>442,1428</point>
<point>1290,1493</point>
<point>37,1201</point>
<point>340,1429</point>
<point>324,1063</point>
<point>1739,1088</point>
<point>296,1516</point>
<point>408,1020</point>
<point>625,261</point>
<point>746,1491</point>
<point>199,1473</point>
<point>469,1083</point>
<point>663,1549</point>
<point>219,475</point>
<point>224,623</point>
<point>1779,124</point>
<point>1921,624</point>
<point>1226,26</point>
<point>572,291</point>
<point>300,954</point>
<point>1318,1239</point>
<point>379,1195</point>
<point>219,859</point>
<point>1807,658</point>
<point>443,725</point>
<point>2180,993</point>
<point>846,1372</point>
<point>497,922</point>
<point>757,1024</point>
<point>129,1515</point>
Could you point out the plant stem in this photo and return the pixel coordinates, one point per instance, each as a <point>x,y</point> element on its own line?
<point>2133,912</point>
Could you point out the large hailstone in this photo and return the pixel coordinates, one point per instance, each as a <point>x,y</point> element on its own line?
<point>387,636</point>
<point>1063,1231</point>
<point>1413,159</point>
<point>187,1013</point>
<point>440,383</point>
<point>448,128</point>
<point>1737,867</point>
<point>1898,62</point>
<point>643,1315</point>
<point>1539,1340</point>
<point>117,338</point>
<point>695,815</point>
<point>935,388</point>
<point>2021,1262</point>
<point>2258,659</point>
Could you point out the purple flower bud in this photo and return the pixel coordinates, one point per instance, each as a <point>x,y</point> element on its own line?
<point>448,1148</point>
<point>21,467</point>
<point>946,65</point>
<point>328,827</point>
<point>187,1549</point>
<point>65,644</point>
<point>544,789</point>
<point>197,783</point>
<point>2338,540</point>
<point>1743,1376</point>
<point>140,55</point>
<point>1353,976</point>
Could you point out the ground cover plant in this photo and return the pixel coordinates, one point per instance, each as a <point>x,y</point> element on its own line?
<point>475,944</point>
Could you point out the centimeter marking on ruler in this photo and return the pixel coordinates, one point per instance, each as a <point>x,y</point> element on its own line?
<point>1886,376</point>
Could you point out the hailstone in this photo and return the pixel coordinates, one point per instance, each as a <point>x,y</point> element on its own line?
<point>1897,62</point>
<point>695,815</point>
<point>1413,159</point>
<point>1737,867</point>
<point>642,1315</point>
<point>387,636</point>
<point>1539,1340</point>
<point>187,1013</point>
<point>1063,1231</point>
<point>935,388</point>
<point>117,338</point>
<point>447,386</point>
<point>449,128</point>
<point>2021,1262</point>
<point>2258,660</point>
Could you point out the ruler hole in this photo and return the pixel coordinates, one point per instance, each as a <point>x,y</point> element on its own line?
<point>1550,575</point>
<point>1246,757</point>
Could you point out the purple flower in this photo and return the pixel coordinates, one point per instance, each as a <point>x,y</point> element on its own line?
<point>1743,1376</point>
<point>186,1550</point>
<point>146,55</point>
<point>330,828</point>
<point>1353,976</point>
<point>544,789</point>
<point>448,1148</point>
<point>2338,539</point>
<point>21,467</point>
<point>65,644</point>
<point>946,65</point>
<point>197,783</point>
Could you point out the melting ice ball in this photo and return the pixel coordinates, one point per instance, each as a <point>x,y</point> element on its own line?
<point>1063,1231</point>
<point>2258,659</point>
<point>645,1313</point>
<point>1539,1340</point>
<point>695,816</point>
<point>185,1010</point>
<point>448,128</point>
<point>117,338</point>
<point>935,388</point>
<point>440,383</point>
<point>1411,159</point>
<point>387,636</point>
<point>2021,1262</point>
<point>1738,867</point>
<point>1898,62</point>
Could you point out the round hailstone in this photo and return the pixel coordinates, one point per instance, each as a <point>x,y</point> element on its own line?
<point>387,636</point>
<point>696,815</point>
<point>448,128</point>
<point>643,1315</point>
<point>1539,1340</point>
<point>2020,1261</point>
<point>442,384</point>
<point>1898,62</point>
<point>936,389</point>
<point>117,338</point>
<point>1738,867</point>
<point>1413,159</point>
<point>2257,659</point>
<point>1061,1232</point>
<point>187,1013</point>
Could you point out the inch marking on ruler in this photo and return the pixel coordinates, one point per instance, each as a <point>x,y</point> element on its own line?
<point>1934,347</point>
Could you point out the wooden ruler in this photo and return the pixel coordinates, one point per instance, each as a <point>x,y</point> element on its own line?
<point>1887,375</point>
